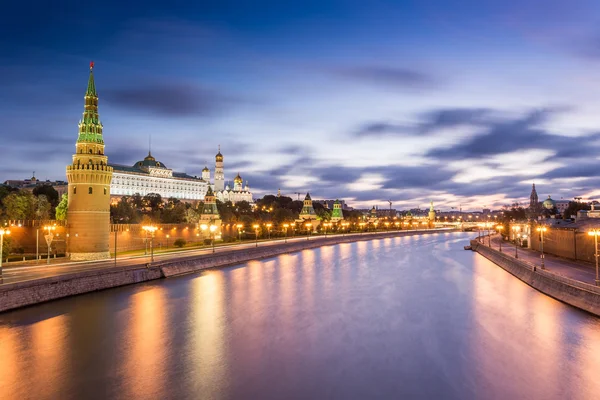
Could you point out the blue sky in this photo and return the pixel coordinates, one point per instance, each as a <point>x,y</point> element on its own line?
<point>462,102</point>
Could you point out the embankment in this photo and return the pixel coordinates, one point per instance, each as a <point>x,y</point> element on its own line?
<point>21,294</point>
<point>576,293</point>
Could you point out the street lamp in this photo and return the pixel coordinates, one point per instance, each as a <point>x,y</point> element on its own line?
<point>213,229</point>
<point>541,230</point>
<point>168,236</point>
<point>308,226</point>
<point>325,225</point>
<point>49,237</point>
<point>515,236</point>
<point>269,225</point>
<point>362,225</point>
<point>150,229</point>
<point>593,232</point>
<point>286,226</point>
<point>3,232</point>
<point>256,226</point>
<point>499,229</point>
<point>239,228</point>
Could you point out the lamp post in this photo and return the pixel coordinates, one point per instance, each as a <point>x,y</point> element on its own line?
<point>325,225</point>
<point>286,226</point>
<point>308,226</point>
<point>37,245</point>
<point>213,229</point>
<point>239,228</point>
<point>3,232</point>
<point>499,229</point>
<point>541,230</point>
<point>594,233</point>
<point>167,236</point>
<point>515,236</point>
<point>49,237</point>
<point>116,232</point>
<point>150,229</point>
<point>256,226</point>
<point>269,225</point>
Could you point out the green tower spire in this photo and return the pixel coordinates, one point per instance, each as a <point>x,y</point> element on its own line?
<point>337,214</point>
<point>90,127</point>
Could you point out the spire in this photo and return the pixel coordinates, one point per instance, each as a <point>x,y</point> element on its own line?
<point>431,207</point>
<point>91,88</point>
<point>90,127</point>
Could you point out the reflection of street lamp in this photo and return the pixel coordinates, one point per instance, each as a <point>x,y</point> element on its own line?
<point>594,233</point>
<point>49,237</point>
<point>151,229</point>
<point>7,232</point>
<point>269,225</point>
<point>541,230</point>
<point>256,226</point>
<point>286,226</point>
<point>499,229</point>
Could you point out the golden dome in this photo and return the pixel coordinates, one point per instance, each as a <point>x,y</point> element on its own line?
<point>238,179</point>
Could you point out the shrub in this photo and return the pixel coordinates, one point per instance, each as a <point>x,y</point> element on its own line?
<point>207,241</point>
<point>179,243</point>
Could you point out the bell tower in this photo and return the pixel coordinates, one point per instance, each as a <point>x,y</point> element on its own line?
<point>89,176</point>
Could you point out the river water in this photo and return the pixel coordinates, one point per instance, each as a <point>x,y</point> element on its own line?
<point>404,318</point>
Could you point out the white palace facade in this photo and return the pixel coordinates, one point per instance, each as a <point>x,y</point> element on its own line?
<point>152,176</point>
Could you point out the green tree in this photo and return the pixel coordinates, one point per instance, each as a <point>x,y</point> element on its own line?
<point>124,212</point>
<point>20,205</point>
<point>43,207</point>
<point>191,216</point>
<point>62,207</point>
<point>573,207</point>
<point>48,191</point>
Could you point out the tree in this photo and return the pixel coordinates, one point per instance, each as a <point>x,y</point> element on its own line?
<point>62,207</point>
<point>20,205</point>
<point>191,216</point>
<point>124,211</point>
<point>43,207</point>
<point>226,211</point>
<point>48,191</point>
<point>243,207</point>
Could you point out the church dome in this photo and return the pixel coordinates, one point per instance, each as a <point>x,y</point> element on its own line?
<point>206,169</point>
<point>549,204</point>
<point>149,161</point>
<point>219,156</point>
<point>238,179</point>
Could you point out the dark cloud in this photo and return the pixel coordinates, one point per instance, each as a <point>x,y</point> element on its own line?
<point>170,100</point>
<point>392,77</point>
<point>429,122</point>
<point>511,135</point>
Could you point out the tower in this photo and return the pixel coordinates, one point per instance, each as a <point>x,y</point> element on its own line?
<point>206,174</point>
<point>219,175</point>
<point>89,176</point>
<point>533,199</point>
<point>337,214</point>
<point>308,212</point>
<point>431,215</point>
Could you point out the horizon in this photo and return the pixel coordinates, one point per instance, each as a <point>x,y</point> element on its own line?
<point>463,105</point>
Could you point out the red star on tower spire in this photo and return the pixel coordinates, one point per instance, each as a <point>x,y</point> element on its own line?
<point>91,65</point>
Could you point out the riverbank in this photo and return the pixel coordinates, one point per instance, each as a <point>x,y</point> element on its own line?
<point>21,294</point>
<point>576,293</point>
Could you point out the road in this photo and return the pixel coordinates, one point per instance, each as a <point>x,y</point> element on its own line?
<point>20,273</point>
<point>583,272</point>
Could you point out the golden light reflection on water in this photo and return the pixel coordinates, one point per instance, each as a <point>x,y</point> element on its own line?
<point>537,323</point>
<point>208,357</point>
<point>146,344</point>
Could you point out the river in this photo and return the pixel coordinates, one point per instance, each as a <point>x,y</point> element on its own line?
<point>402,318</point>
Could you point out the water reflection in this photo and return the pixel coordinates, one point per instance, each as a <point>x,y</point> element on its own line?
<point>411,317</point>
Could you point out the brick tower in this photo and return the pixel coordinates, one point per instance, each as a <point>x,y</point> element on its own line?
<point>89,176</point>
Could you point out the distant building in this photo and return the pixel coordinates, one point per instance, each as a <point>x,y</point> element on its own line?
<point>337,214</point>
<point>329,203</point>
<point>29,184</point>
<point>533,200</point>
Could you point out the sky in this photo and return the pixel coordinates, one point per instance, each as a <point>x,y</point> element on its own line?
<point>465,103</point>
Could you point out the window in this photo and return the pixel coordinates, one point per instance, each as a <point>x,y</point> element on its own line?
<point>90,151</point>
<point>90,190</point>
<point>105,191</point>
<point>75,190</point>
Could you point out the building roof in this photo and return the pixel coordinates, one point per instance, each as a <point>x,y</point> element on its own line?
<point>307,197</point>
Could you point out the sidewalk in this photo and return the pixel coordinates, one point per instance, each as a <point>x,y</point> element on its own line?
<point>577,270</point>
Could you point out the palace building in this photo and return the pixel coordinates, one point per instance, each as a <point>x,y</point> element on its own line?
<point>152,176</point>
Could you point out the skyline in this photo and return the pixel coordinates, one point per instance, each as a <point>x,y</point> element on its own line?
<point>462,105</point>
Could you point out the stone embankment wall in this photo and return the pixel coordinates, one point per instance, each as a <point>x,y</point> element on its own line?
<point>21,294</point>
<point>15,295</point>
<point>572,292</point>
<point>565,242</point>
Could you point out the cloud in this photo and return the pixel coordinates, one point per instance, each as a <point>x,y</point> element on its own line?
<point>511,135</point>
<point>429,122</point>
<point>170,100</point>
<point>391,77</point>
